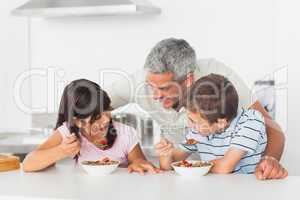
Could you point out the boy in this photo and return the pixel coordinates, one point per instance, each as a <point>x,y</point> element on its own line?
<point>233,140</point>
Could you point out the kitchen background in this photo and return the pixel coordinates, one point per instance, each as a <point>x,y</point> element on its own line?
<point>256,38</point>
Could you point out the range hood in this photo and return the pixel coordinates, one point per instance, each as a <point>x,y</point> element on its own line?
<point>67,8</point>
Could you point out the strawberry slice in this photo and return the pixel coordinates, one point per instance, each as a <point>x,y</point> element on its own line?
<point>103,142</point>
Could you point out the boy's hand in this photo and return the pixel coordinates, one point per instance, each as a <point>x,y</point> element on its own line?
<point>70,146</point>
<point>164,148</point>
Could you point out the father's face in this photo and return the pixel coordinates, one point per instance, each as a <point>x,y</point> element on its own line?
<point>164,89</point>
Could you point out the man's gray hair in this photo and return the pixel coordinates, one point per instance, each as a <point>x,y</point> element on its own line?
<point>172,55</point>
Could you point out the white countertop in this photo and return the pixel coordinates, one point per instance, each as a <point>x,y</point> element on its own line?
<point>70,182</point>
<point>20,142</point>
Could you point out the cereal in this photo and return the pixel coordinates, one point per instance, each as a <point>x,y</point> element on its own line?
<point>100,162</point>
<point>185,163</point>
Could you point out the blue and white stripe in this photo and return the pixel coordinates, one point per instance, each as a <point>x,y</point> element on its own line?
<point>246,132</point>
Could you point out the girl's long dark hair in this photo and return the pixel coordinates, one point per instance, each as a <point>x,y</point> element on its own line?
<point>82,99</point>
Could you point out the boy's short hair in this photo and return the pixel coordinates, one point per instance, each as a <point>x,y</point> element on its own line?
<point>215,97</point>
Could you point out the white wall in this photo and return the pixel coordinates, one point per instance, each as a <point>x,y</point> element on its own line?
<point>250,36</point>
<point>232,31</point>
<point>13,61</point>
<point>287,53</point>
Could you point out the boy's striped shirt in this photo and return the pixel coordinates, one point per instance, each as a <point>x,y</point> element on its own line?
<point>246,132</point>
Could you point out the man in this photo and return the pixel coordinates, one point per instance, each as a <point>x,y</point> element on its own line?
<point>170,70</point>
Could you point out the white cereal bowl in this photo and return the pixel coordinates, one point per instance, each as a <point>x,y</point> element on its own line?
<point>191,171</point>
<point>100,170</point>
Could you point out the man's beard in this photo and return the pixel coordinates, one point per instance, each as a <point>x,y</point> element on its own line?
<point>180,101</point>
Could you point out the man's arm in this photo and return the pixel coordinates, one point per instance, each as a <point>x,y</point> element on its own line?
<point>269,167</point>
<point>275,135</point>
<point>123,91</point>
<point>119,93</point>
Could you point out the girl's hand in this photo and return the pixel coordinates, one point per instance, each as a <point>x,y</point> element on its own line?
<point>164,148</point>
<point>70,146</point>
<point>142,166</point>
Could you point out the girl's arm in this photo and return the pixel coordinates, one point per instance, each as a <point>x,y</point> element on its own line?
<point>51,151</point>
<point>138,162</point>
<point>227,163</point>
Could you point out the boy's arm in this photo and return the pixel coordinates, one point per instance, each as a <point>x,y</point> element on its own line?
<point>227,163</point>
<point>176,155</point>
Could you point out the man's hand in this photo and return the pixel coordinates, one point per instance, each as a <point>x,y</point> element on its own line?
<point>270,168</point>
<point>142,166</point>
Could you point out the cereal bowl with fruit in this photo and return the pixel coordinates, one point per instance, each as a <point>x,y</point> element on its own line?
<point>192,168</point>
<point>100,167</point>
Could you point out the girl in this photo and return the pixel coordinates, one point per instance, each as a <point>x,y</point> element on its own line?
<point>85,131</point>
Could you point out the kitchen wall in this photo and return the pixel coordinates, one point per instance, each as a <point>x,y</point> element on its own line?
<point>287,51</point>
<point>256,38</point>
<point>13,61</point>
<point>237,33</point>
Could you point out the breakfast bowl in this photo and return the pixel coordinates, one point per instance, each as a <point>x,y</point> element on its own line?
<point>100,167</point>
<point>192,168</point>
